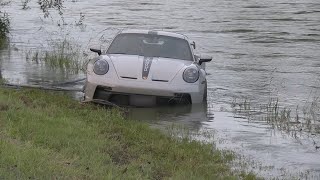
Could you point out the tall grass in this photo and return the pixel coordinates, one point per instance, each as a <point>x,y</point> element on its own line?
<point>2,80</point>
<point>61,55</point>
<point>298,122</point>
<point>4,27</point>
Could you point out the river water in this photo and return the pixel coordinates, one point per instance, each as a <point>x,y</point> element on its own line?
<point>265,54</point>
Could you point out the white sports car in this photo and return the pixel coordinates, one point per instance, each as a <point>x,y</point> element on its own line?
<point>143,68</point>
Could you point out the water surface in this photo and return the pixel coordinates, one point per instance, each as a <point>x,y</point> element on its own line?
<point>262,50</point>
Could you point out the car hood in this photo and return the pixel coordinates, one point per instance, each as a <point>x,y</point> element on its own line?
<point>146,68</point>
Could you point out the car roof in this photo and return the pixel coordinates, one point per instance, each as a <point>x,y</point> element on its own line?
<point>163,33</point>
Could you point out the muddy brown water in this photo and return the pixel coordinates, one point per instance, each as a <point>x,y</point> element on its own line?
<point>262,51</point>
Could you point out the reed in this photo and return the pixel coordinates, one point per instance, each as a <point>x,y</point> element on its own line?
<point>61,55</point>
<point>4,28</point>
<point>299,122</point>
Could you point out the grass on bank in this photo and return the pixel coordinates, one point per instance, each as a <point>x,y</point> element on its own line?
<point>47,135</point>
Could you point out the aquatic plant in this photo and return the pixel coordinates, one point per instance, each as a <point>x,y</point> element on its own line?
<point>2,80</point>
<point>25,4</point>
<point>45,5</point>
<point>61,55</point>
<point>4,26</point>
<point>81,19</point>
<point>64,56</point>
<point>297,123</point>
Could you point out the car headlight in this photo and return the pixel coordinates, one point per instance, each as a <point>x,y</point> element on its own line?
<point>191,75</point>
<point>101,67</point>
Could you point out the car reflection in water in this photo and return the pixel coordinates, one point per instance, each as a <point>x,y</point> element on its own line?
<point>190,116</point>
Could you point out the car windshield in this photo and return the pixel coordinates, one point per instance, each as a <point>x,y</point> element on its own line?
<point>151,45</point>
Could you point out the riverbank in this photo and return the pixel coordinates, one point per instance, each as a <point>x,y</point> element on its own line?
<point>49,135</point>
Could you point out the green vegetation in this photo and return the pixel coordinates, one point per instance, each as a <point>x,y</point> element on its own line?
<point>61,55</point>
<point>297,122</point>
<point>2,80</point>
<point>4,27</point>
<point>47,135</point>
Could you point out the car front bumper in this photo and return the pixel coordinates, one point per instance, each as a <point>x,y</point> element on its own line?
<point>143,92</point>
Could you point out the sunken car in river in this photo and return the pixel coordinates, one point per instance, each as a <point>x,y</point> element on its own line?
<point>143,68</point>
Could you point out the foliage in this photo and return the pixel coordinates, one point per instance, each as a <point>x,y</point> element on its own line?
<point>4,27</point>
<point>45,5</point>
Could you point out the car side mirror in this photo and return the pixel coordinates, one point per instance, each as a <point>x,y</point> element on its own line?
<point>205,59</point>
<point>96,51</point>
<point>193,44</point>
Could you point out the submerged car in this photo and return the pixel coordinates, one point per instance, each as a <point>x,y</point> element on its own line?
<point>143,68</point>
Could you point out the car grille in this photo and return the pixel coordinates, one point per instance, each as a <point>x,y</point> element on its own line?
<point>128,77</point>
<point>123,99</point>
<point>134,78</point>
<point>159,80</point>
